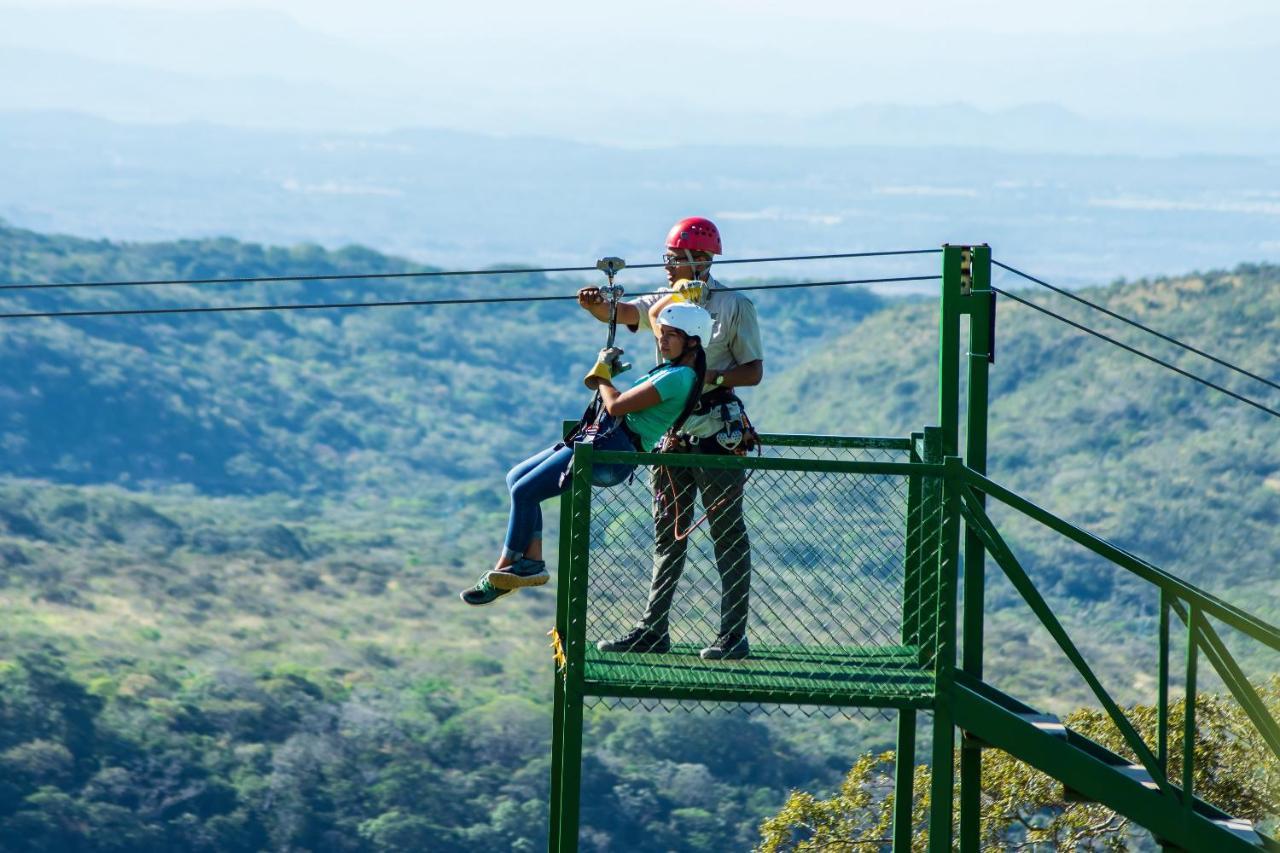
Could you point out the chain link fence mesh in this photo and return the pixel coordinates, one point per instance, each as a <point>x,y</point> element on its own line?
<point>818,566</point>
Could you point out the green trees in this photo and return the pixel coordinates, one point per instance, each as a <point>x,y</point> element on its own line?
<point>1024,808</point>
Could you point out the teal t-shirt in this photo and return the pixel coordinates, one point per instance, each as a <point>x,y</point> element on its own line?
<point>673,383</point>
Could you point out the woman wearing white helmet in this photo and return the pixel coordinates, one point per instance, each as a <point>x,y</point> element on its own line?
<point>635,419</point>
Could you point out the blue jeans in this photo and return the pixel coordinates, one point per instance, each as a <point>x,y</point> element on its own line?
<point>539,477</point>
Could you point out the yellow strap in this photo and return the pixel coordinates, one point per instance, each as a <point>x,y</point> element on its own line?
<point>558,654</point>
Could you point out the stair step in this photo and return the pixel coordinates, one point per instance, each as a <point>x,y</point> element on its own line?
<point>1240,828</point>
<point>1136,772</point>
<point>1047,723</point>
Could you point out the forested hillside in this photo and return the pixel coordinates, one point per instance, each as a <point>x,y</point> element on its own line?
<point>231,544</point>
<point>231,549</point>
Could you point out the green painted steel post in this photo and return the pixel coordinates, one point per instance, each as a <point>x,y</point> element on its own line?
<point>953,273</point>
<point>1162,687</point>
<point>575,650</point>
<point>561,628</point>
<point>943,781</point>
<point>911,561</point>
<point>930,551</point>
<point>557,706</point>
<point>1189,714</point>
<point>904,773</point>
<point>979,307</point>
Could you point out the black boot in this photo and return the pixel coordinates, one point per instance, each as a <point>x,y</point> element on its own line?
<point>727,647</point>
<point>641,639</point>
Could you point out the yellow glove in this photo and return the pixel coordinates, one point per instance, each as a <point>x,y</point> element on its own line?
<point>686,290</point>
<point>606,367</point>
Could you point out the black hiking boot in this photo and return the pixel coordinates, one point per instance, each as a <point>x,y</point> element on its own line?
<point>641,639</point>
<point>727,647</point>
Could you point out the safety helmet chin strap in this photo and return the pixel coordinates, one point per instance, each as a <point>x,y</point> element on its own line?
<point>701,269</point>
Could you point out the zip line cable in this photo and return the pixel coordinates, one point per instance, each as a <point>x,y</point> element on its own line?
<point>1139,352</point>
<point>1138,325</point>
<point>488,300</point>
<point>270,279</point>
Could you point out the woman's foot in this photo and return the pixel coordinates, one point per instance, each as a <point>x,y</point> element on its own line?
<point>523,572</point>
<point>482,593</point>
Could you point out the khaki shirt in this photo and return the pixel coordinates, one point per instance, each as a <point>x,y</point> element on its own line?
<point>735,333</point>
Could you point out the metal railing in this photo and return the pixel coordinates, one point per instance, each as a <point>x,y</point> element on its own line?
<point>1189,603</point>
<point>827,546</point>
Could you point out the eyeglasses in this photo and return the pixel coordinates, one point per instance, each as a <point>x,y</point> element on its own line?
<point>680,261</point>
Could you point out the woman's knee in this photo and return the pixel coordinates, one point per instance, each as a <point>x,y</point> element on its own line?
<point>513,476</point>
<point>522,490</point>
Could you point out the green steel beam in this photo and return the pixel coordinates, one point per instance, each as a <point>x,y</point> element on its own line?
<point>955,260</point>
<point>1210,604</point>
<point>904,774</point>
<point>977,518</point>
<point>955,272</point>
<point>1237,683</point>
<point>1189,717</point>
<point>561,629</point>
<point>837,699</point>
<point>979,307</point>
<point>912,562</point>
<point>574,640</point>
<point>1162,687</point>
<point>942,783</point>
<point>773,439</point>
<point>949,568</point>
<point>931,548</point>
<point>557,703</point>
<point>766,463</point>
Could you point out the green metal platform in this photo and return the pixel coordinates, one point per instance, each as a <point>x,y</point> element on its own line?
<point>890,676</point>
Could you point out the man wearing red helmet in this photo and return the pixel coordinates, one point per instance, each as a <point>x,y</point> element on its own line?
<point>735,359</point>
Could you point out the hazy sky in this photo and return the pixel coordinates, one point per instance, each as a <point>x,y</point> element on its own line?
<point>562,67</point>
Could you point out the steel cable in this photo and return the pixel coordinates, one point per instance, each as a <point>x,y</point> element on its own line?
<point>430,274</point>
<point>1139,353</point>
<point>224,309</point>
<point>1162,336</point>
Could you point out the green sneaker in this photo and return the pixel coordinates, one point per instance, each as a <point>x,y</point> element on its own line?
<point>522,572</point>
<point>482,593</point>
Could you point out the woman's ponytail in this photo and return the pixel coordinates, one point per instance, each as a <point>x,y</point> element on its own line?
<point>700,374</point>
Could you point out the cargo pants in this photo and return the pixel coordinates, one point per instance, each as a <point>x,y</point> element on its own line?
<point>676,491</point>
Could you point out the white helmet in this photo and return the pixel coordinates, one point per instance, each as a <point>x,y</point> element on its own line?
<point>693,320</point>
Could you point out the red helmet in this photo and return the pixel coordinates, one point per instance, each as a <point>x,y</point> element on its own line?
<point>695,234</point>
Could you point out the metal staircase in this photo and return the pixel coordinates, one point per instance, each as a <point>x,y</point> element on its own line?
<point>1090,772</point>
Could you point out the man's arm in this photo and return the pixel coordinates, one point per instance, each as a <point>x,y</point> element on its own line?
<point>746,350</point>
<point>593,301</point>
<point>742,376</point>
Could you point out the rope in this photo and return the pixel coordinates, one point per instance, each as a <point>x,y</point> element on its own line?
<point>224,309</point>
<point>1138,325</point>
<point>1139,353</point>
<point>269,279</point>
